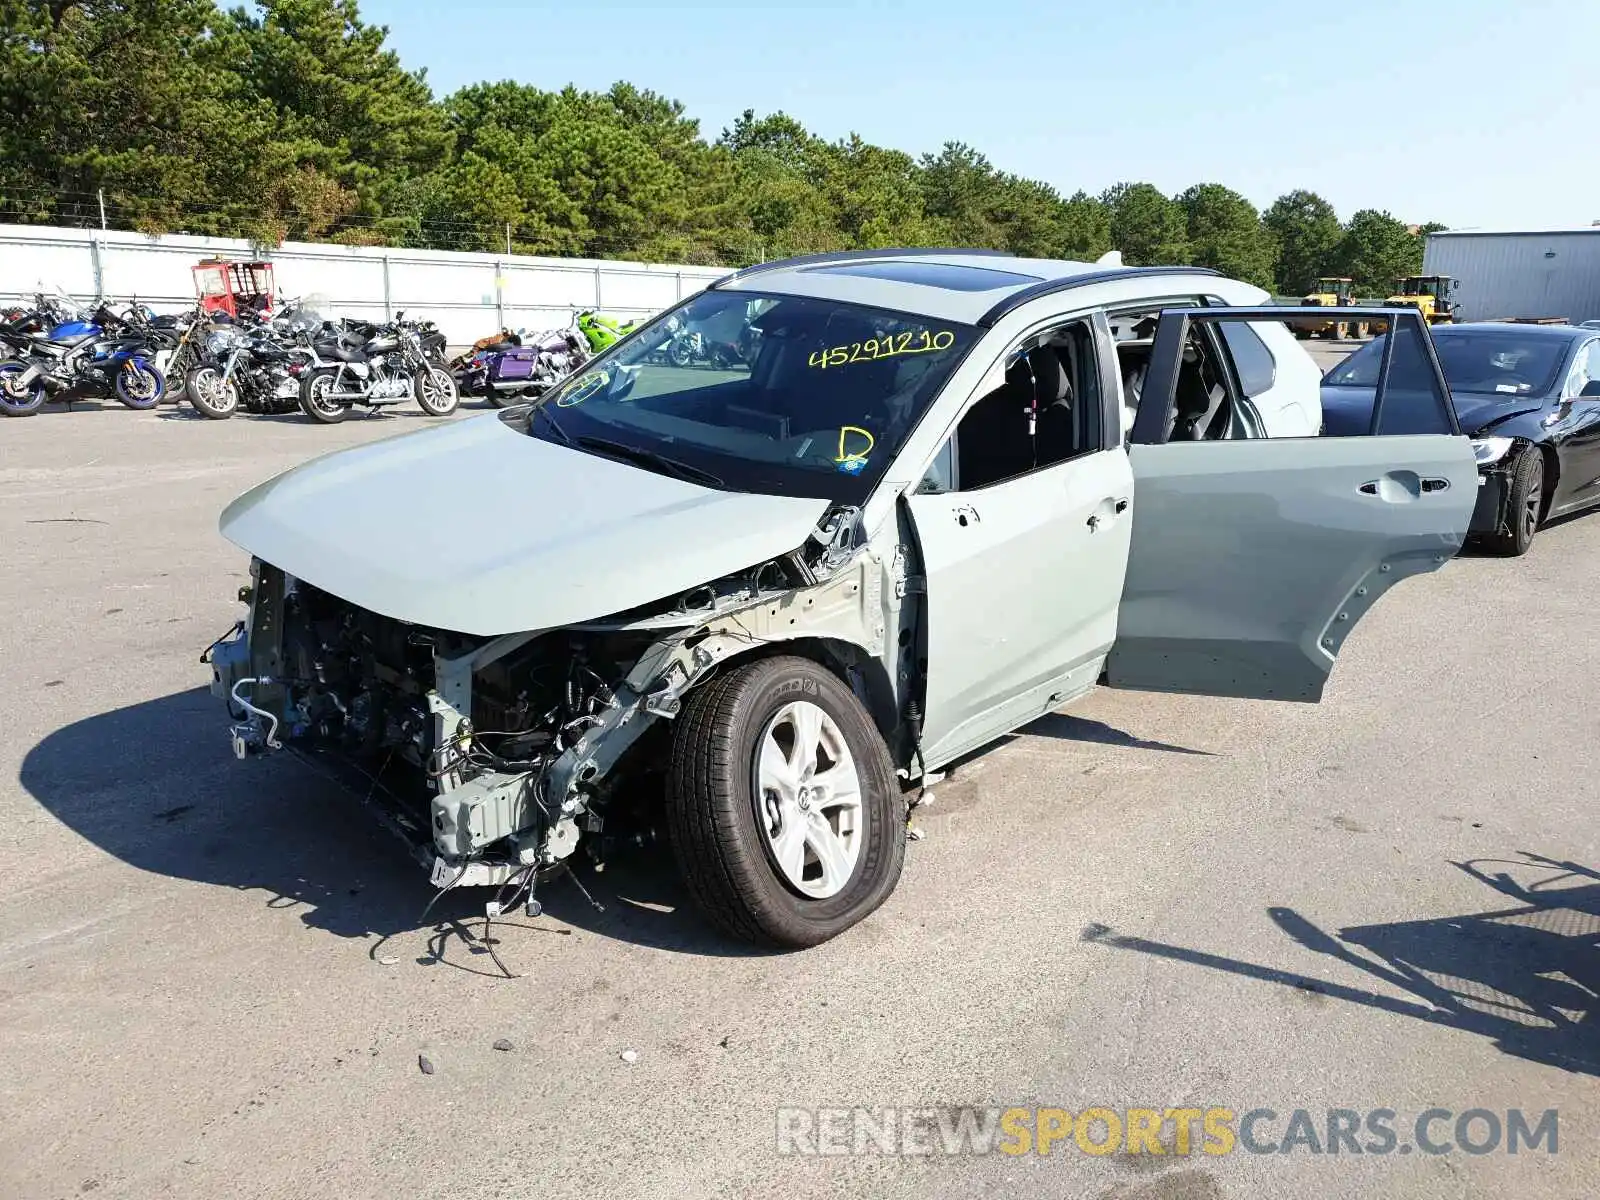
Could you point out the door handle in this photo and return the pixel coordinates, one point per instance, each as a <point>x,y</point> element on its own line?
<point>965,515</point>
<point>1096,518</point>
<point>1400,486</point>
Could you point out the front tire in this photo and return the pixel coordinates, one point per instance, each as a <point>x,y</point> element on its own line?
<point>209,395</point>
<point>784,812</point>
<point>1524,506</point>
<point>314,400</point>
<point>140,385</point>
<point>15,400</point>
<point>436,392</point>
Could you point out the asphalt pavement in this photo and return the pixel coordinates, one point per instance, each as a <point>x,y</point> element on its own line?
<point>216,980</point>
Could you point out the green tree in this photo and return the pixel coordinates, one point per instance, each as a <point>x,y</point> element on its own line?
<point>1376,250</point>
<point>1226,234</point>
<point>1030,217</point>
<point>779,207</point>
<point>1084,228</point>
<point>1308,233</point>
<point>124,97</point>
<point>1147,226</point>
<point>875,195</point>
<point>345,106</point>
<point>294,119</point>
<point>619,173</point>
<point>969,203</point>
<point>961,193</point>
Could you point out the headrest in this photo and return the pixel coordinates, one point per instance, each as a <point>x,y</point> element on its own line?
<point>1050,379</point>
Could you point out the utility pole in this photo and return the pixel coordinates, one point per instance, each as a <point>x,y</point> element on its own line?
<point>101,192</point>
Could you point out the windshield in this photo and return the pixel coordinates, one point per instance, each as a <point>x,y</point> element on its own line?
<point>1503,362</point>
<point>778,394</point>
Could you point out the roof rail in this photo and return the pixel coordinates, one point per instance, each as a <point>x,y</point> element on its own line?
<point>1049,287</point>
<point>805,260</point>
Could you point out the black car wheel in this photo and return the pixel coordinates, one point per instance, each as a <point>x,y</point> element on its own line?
<point>785,815</point>
<point>1524,505</point>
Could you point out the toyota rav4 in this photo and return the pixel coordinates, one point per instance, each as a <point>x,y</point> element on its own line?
<point>919,499</point>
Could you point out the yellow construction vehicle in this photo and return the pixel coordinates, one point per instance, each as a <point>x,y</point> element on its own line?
<point>1333,291</point>
<point>1431,295</point>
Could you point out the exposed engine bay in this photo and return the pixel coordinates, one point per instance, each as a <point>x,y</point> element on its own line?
<point>494,757</point>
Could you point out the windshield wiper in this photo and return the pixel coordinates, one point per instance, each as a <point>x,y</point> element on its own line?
<point>561,434</point>
<point>650,458</point>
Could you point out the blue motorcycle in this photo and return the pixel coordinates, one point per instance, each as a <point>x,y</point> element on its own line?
<point>87,354</point>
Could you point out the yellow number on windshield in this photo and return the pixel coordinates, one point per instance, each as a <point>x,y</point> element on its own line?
<point>888,346</point>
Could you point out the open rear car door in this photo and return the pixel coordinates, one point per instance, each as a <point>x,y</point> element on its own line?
<point>1253,558</point>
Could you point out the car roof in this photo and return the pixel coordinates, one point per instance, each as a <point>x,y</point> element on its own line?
<point>1568,332</point>
<point>972,287</point>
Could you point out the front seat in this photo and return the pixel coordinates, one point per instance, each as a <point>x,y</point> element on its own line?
<point>1056,433</point>
<point>992,438</point>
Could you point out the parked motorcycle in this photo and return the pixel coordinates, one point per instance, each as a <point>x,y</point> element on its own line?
<point>190,330</point>
<point>601,331</point>
<point>386,368</point>
<point>92,353</point>
<point>528,371</point>
<point>245,369</point>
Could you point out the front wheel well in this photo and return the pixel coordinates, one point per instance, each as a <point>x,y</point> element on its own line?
<point>1552,474</point>
<point>857,668</point>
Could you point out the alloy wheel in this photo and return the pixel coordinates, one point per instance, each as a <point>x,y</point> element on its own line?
<point>139,383</point>
<point>808,799</point>
<point>321,386</point>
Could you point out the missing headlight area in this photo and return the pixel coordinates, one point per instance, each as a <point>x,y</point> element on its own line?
<point>496,758</point>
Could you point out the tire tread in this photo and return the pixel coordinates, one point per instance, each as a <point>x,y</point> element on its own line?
<point>724,874</point>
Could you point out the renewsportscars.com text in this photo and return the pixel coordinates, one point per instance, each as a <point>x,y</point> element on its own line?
<point>1179,1132</point>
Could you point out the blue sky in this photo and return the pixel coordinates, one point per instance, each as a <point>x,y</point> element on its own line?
<point>1470,112</point>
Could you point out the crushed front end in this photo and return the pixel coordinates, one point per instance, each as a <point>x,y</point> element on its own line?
<point>495,756</point>
<point>477,750</point>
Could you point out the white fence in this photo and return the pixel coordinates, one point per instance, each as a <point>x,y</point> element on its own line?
<point>468,295</point>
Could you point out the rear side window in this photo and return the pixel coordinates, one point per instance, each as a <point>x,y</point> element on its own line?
<point>1413,401</point>
<point>1252,360</point>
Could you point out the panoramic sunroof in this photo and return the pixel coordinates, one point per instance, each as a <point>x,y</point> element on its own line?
<point>955,277</point>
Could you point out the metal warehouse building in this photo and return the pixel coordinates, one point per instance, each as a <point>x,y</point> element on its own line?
<point>1520,273</point>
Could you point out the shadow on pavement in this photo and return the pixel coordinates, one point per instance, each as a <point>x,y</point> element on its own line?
<point>155,785</point>
<point>1527,977</point>
<point>1080,729</point>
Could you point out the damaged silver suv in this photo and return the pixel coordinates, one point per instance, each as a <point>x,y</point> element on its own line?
<point>890,506</point>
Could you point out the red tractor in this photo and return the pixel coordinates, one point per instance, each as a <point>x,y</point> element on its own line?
<point>225,286</point>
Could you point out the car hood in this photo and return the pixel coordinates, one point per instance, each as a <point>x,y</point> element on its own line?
<point>478,528</point>
<point>1346,410</point>
<point>1479,412</point>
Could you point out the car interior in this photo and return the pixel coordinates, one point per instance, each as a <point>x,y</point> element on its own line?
<point>1203,407</point>
<point>1046,412</point>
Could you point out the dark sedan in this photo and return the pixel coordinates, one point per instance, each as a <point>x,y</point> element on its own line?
<point>1527,395</point>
